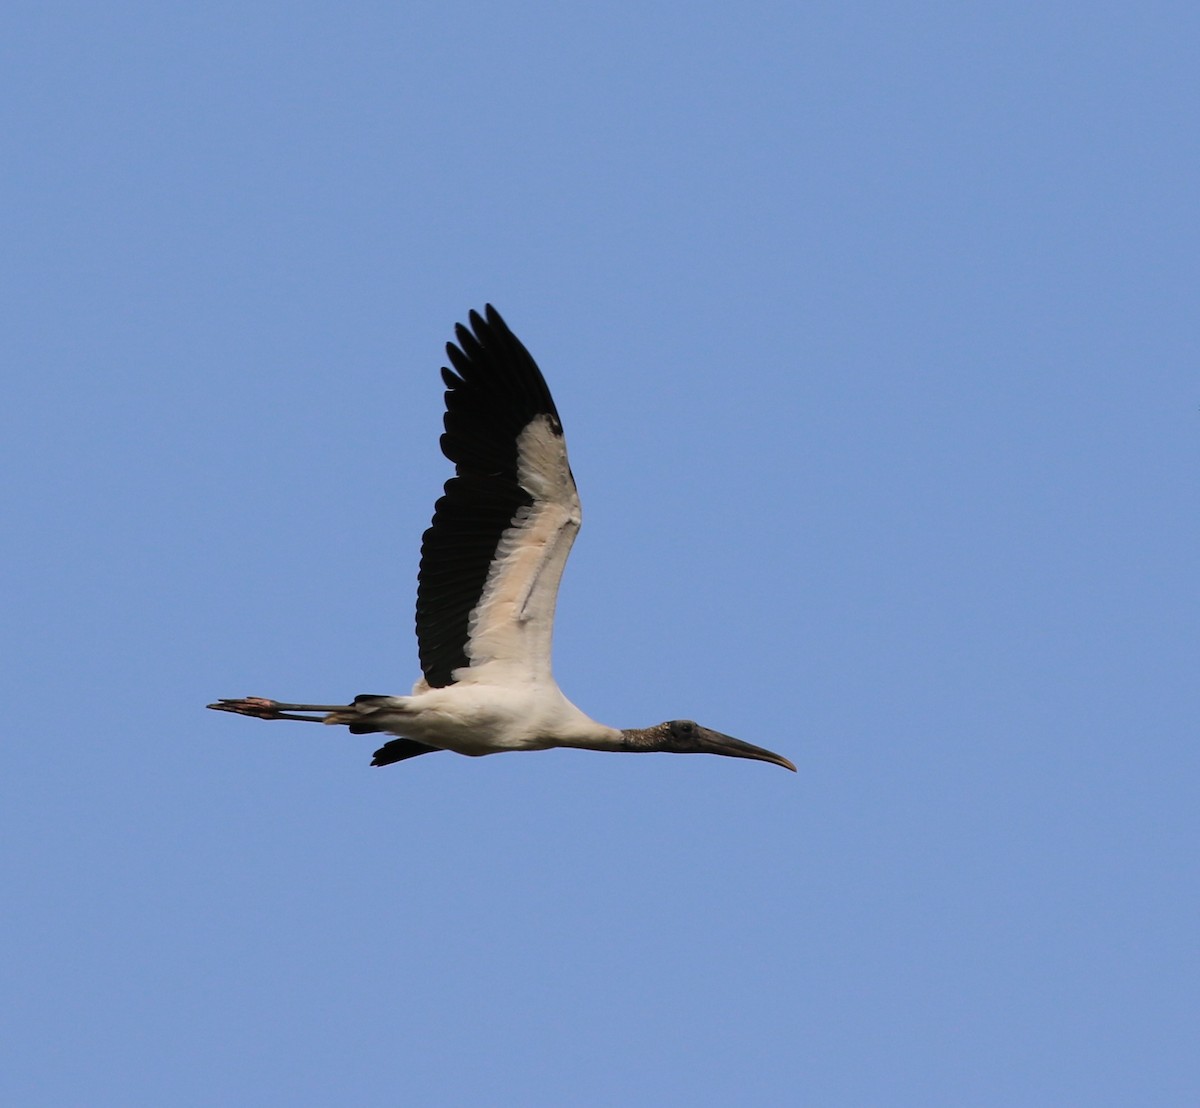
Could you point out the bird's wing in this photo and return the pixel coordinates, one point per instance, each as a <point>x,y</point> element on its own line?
<point>492,559</point>
<point>398,750</point>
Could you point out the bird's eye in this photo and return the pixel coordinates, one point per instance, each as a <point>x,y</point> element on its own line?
<point>684,727</point>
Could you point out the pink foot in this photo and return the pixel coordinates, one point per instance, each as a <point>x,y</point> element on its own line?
<point>256,706</point>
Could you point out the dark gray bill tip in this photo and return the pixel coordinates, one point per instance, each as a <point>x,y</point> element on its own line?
<point>713,742</point>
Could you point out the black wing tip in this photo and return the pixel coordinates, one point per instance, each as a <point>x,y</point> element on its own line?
<point>398,750</point>
<point>479,328</point>
<point>487,357</point>
<point>494,318</point>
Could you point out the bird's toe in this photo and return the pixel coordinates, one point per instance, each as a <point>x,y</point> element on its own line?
<point>256,706</point>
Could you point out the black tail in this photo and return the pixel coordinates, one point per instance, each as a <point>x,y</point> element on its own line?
<point>358,724</point>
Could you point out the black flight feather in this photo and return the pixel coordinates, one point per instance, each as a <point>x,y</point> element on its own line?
<point>494,392</point>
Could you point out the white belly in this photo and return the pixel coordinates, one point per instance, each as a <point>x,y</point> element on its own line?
<point>478,719</point>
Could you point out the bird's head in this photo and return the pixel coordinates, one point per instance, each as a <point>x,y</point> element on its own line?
<point>684,736</point>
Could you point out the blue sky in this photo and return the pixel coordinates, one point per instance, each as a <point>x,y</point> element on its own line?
<point>873,331</point>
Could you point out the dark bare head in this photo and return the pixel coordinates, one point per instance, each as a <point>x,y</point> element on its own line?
<point>684,736</point>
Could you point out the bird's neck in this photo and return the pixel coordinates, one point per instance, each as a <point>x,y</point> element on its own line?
<point>641,739</point>
<point>592,736</point>
<point>631,740</point>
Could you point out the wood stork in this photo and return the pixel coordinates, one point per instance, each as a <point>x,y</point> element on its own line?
<point>490,566</point>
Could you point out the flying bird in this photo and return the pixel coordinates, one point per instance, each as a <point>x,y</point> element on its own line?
<point>491,562</point>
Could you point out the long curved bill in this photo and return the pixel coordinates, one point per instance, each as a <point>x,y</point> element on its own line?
<point>713,742</point>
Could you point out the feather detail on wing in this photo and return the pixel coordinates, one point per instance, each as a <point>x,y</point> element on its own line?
<point>492,559</point>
